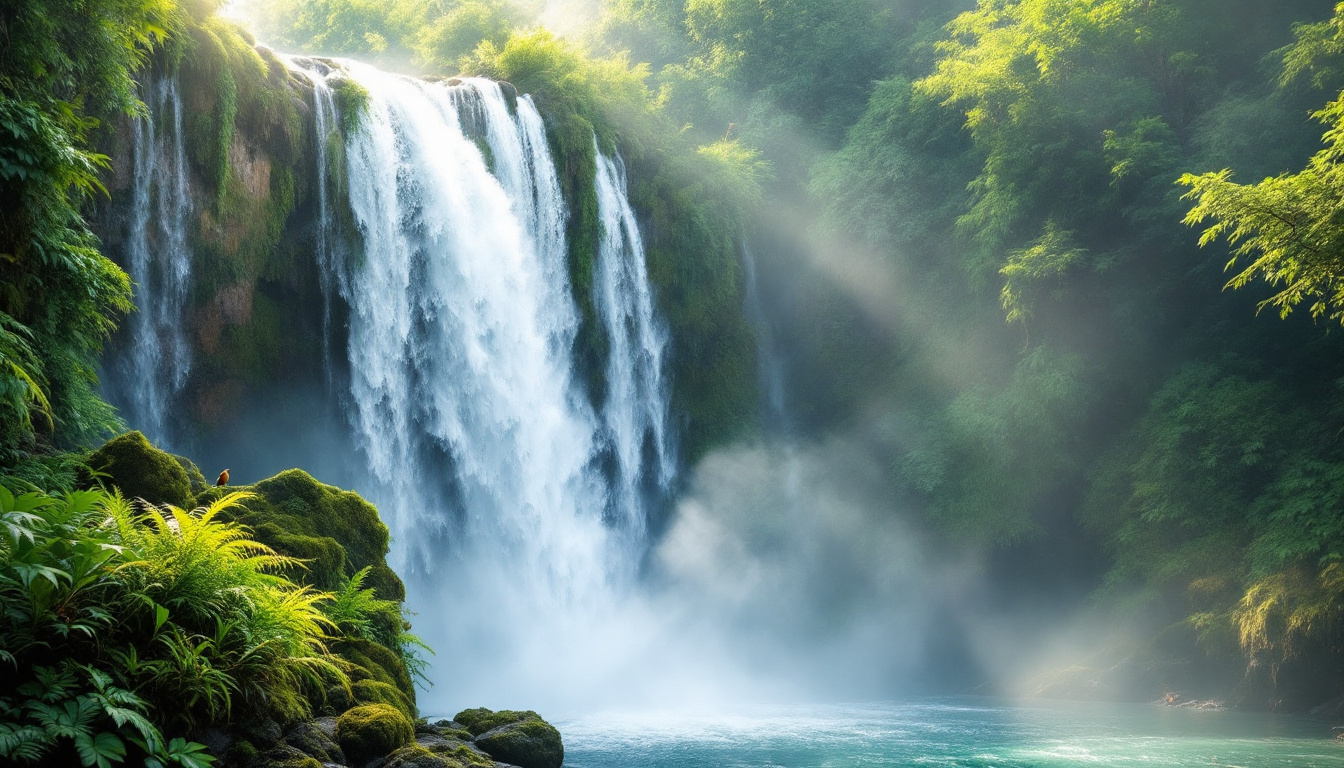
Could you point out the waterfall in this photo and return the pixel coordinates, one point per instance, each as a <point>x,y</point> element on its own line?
<point>329,262</point>
<point>636,406</point>
<point>516,532</point>
<point>769,366</point>
<point>158,260</point>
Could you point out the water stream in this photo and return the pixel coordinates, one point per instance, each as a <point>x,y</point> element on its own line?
<point>951,733</point>
<point>517,540</point>
<point>158,259</point>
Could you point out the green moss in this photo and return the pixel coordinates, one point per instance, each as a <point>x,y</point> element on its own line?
<point>375,692</point>
<point>241,752</point>
<point>194,476</point>
<point>297,504</point>
<point>336,533</point>
<point>439,755</point>
<point>285,756</point>
<point>385,583</point>
<point>480,719</point>
<point>377,663</point>
<point>351,99</point>
<point>487,153</point>
<point>310,739</point>
<point>226,114</point>
<point>518,738</point>
<point>323,556</point>
<point>371,731</point>
<point>141,471</point>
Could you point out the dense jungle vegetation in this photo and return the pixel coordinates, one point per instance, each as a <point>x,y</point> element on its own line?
<point>140,610</point>
<point>1072,268</point>
<point>1021,248</point>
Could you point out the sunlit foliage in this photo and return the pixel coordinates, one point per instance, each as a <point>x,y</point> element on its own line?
<point>1288,230</point>
<point>63,66</point>
<point>178,605</point>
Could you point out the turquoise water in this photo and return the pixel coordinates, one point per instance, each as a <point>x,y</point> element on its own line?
<point>966,733</point>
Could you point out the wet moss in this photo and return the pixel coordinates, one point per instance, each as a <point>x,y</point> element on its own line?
<point>352,100</point>
<point>379,664</point>
<point>195,478</point>
<point>376,692</point>
<point>300,506</point>
<point>439,754</point>
<point>141,471</point>
<point>479,720</point>
<point>372,730</point>
<point>487,153</point>
<point>518,738</point>
<point>335,533</point>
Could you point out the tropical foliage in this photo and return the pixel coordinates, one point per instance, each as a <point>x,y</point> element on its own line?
<point>64,67</point>
<point>1051,350</point>
<point>126,624</point>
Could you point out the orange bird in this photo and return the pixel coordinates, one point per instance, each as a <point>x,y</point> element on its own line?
<point>223,478</point>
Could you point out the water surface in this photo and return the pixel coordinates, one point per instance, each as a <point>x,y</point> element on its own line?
<point>974,733</point>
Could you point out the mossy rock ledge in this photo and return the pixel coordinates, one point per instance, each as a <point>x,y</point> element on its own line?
<point>132,465</point>
<point>381,736</point>
<point>518,738</point>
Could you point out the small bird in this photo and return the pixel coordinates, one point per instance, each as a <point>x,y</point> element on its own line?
<point>223,478</point>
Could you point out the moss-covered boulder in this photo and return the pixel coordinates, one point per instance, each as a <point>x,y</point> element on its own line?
<point>379,677</point>
<point>195,478</point>
<point>432,754</point>
<point>378,663</point>
<point>337,530</point>
<point>285,756</point>
<point>313,740</point>
<point>141,471</point>
<point>372,730</point>
<point>374,692</point>
<point>519,738</point>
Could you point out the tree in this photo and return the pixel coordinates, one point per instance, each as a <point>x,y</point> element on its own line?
<point>1290,228</point>
<point>63,65</point>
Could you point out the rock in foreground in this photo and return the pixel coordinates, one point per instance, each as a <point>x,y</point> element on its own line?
<point>379,736</point>
<point>519,738</point>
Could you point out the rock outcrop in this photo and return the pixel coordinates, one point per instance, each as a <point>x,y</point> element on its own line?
<point>378,736</point>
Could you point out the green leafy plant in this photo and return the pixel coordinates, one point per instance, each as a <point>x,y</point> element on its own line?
<point>121,621</point>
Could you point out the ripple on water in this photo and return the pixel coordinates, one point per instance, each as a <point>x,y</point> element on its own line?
<point>957,733</point>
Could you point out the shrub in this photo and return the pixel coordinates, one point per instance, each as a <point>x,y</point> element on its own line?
<point>180,607</point>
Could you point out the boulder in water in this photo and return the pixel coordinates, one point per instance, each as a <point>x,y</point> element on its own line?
<point>518,738</point>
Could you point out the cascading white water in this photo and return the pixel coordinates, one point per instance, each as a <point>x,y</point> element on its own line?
<point>326,130</point>
<point>487,458</point>
<point>635,413</point>
<point>158,260</point>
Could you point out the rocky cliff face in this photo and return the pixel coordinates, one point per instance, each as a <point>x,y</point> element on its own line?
<point>218,212</point>
<point>252,313</point>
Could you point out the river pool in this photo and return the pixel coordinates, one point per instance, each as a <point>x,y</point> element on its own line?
<point>970,733</point>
